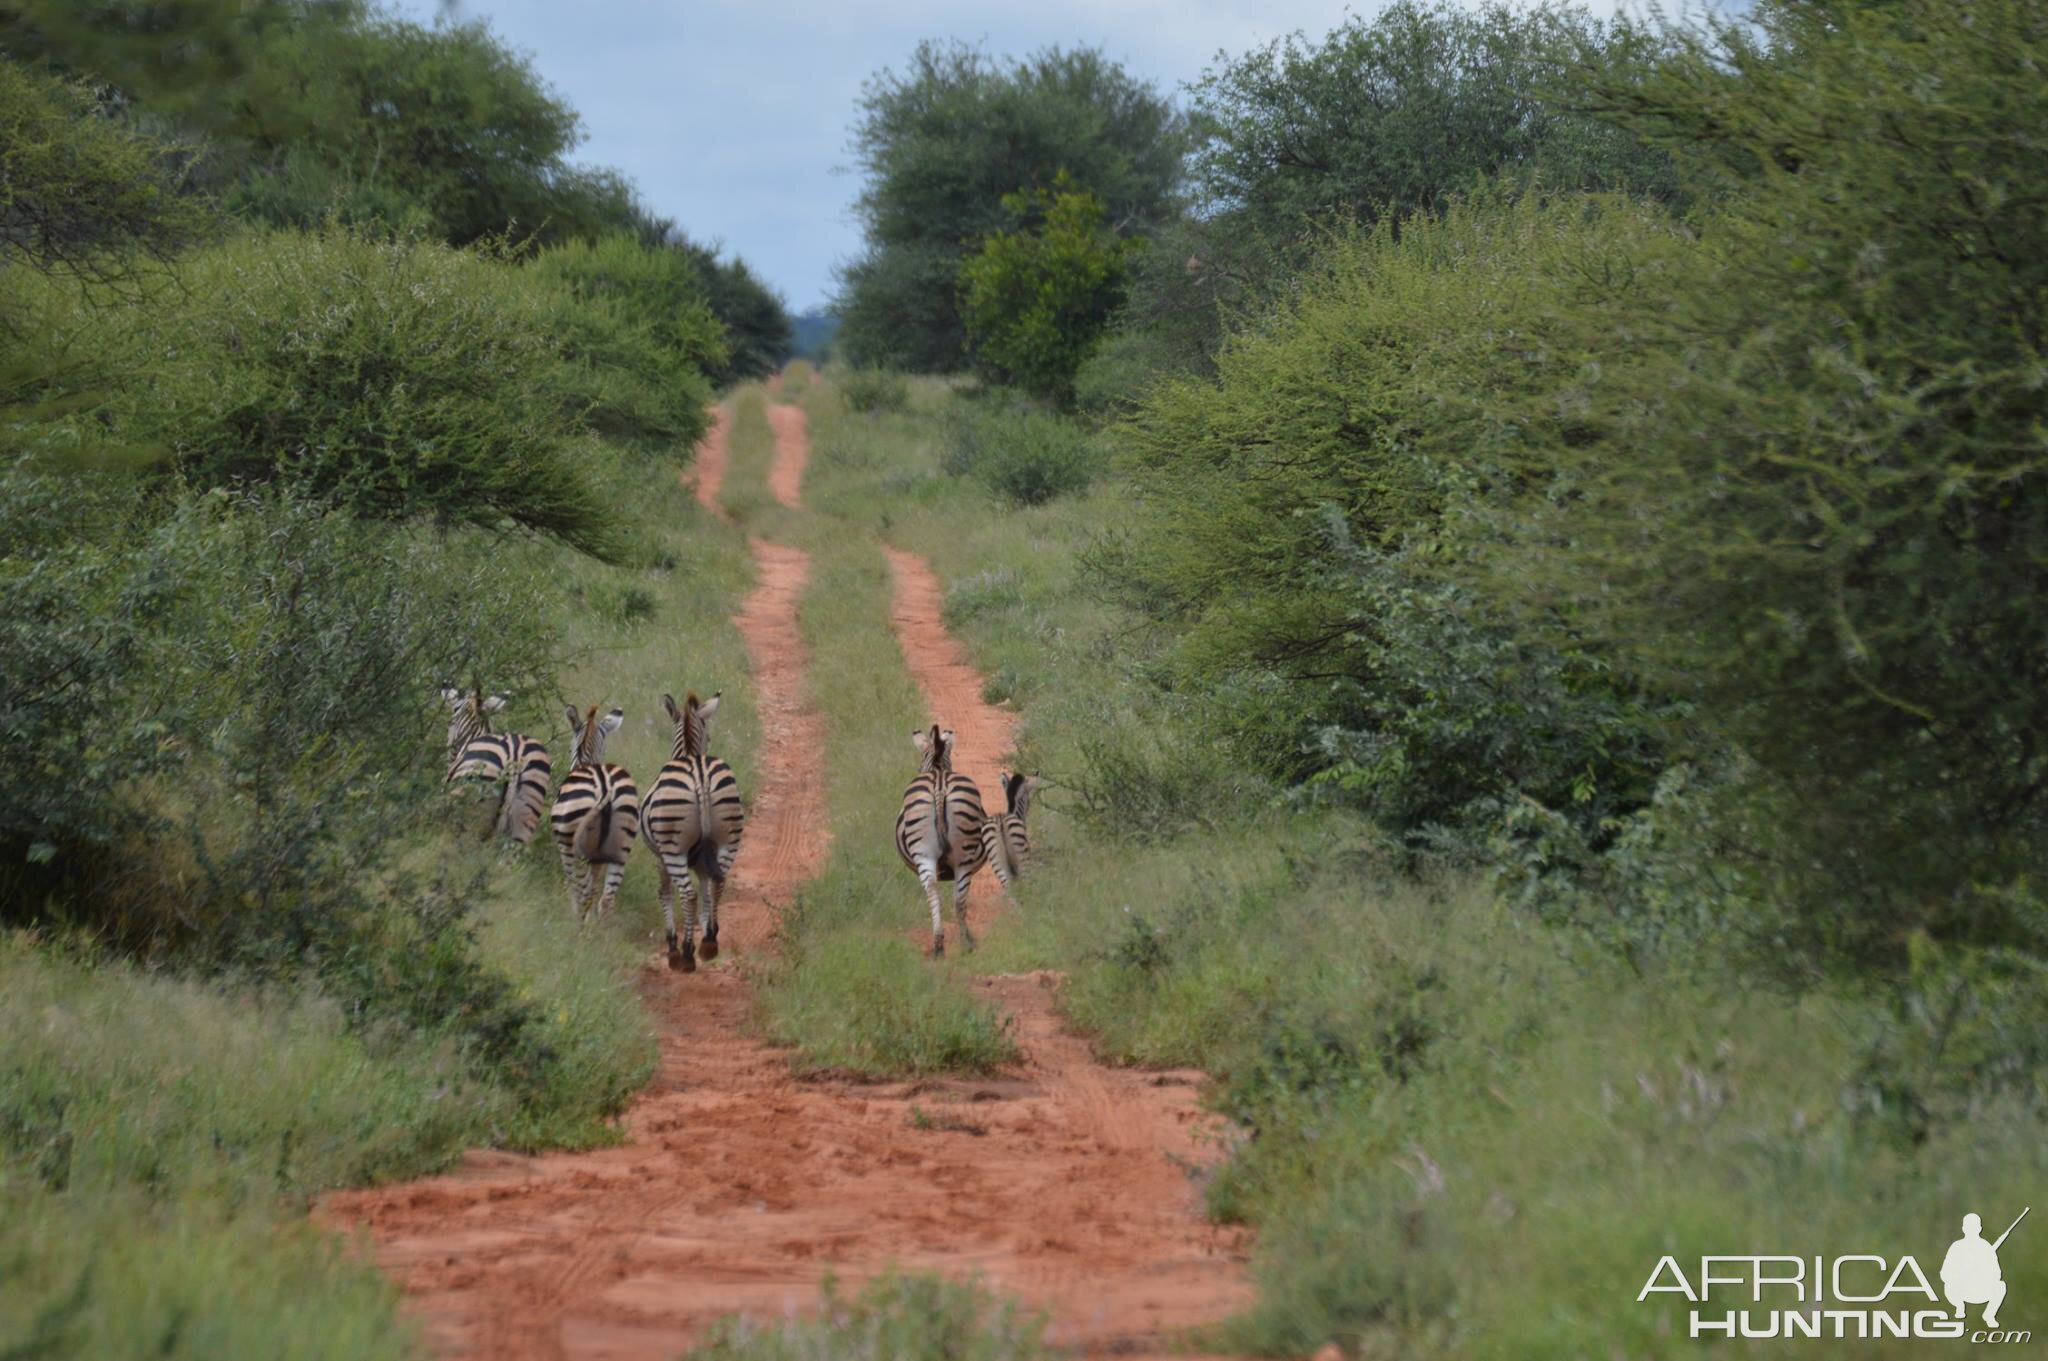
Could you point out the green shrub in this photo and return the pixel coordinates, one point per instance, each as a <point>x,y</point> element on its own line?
<point>874,389</point>
<point>893,1318</point>
<point>396,379</point>
<point>639,337</point>
<point>1037,297</point>
<point>1804,488</point>
<point>1023,454</point>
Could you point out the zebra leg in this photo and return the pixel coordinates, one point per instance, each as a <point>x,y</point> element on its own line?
<point>711,887</point>
<point>667,894</point>
<point>570,877</point>
<point>928,875</point>
<point>685,959</point>
<point>612,875</point>
<point>960,908</point>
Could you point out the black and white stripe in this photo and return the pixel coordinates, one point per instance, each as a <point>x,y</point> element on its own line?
<point>517,765</point>
<point>695,818</point>
<point>1005,843</point>
<point>938,831</point>
<point>596,816</point>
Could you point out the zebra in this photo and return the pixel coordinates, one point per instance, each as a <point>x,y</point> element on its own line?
<point>518,764</point>
<point>596,815</point>
<point>1004,843</point>
<point>694,819</point>
<point>938,833</point>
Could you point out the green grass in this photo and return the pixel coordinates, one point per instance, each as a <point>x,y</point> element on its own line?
<point>1468,1134</point>
<point>893,1318</point>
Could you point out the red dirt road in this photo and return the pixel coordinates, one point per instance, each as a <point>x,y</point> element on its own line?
<point>792,453</point>
<point>711,460</point>
<point>739,1187</point>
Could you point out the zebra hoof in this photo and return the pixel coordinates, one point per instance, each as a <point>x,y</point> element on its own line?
<point>675,955</point>
<point>938,949</point>
<point>710,946</point>
<point>688,958</point>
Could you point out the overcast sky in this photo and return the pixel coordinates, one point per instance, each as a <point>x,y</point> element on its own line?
<point>732,115</point>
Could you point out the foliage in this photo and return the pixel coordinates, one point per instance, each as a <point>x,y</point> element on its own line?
<point>1387,115</point>
<point>314,109</point>
<point>866,390</point>
<point>942,144</point>
<point>1806,487</point>
<point>1306,516</point>
<point>901,1318</point>
<point>396,379</point>
<point>640,337</point>
<point>80,194</point>
<point>1037,296</point>
<point>759,332</point>
<point>1023,454</point>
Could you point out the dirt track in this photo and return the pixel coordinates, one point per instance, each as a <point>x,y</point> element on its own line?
<point>739,1187</point>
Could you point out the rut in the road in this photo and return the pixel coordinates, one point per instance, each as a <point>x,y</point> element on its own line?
<point>739,1188</point>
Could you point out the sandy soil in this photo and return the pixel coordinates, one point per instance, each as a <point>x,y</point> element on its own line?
<point>738,1187</point>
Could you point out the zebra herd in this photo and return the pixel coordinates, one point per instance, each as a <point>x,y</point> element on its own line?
<point>694,817</point>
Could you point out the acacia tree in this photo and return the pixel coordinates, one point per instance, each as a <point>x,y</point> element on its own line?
<point>945,141</point>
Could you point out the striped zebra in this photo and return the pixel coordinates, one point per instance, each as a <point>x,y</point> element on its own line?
<point>596,816</point>
<point>518,765</point>
<point>938,833</point>
<point>1004,842</point>
<point>694,820</point>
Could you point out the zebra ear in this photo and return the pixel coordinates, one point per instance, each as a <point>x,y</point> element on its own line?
<point>946,741</point>
<point>612,721</point>
<point>709,706</point>
<point>921,739</point>
<point>669,702</point>
<point>451,695</point>
<point>495,703</point>
<point>575,720</point>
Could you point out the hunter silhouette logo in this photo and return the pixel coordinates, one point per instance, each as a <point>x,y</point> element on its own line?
<point>1970,1275</point>
<point>1858,1295</point>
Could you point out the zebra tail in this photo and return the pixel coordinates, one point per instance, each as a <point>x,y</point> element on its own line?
<point>594,838</point>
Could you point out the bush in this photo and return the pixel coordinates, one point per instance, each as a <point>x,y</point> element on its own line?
<point>639,337</point>
<point>874,389</point>
<point>1021,453</point>
<point>394,379</point>
<point>1804,489</point>
<point>1037,296</point>
<point>1306,520</point>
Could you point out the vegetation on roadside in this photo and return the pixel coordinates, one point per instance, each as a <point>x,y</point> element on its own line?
<point>892,1318</point>
<point>293,434</point>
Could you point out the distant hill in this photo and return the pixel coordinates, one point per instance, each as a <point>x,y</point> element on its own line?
<point>815,332</point>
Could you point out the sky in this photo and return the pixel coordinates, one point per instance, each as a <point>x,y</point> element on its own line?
<point>733,115</point>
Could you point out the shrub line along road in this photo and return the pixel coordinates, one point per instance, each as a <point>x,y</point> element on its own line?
<point>739,1187</point>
